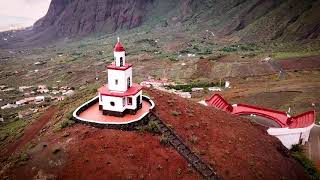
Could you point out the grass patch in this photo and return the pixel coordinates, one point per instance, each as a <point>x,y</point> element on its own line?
<point>20,159</point>
<point>24,157</point>
<point>308,165</point>
<point>171,56</point>
<point>285,55</point>
<point>70,104</point>
<point>175,113</point>
<point>66,123</point>
<point>151,127</point>
<point>164,140</point>
<point>198,48</point>
<point>240,47</point>
<point>12,130</point>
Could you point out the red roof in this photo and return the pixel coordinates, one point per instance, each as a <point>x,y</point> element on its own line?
<point>123,68</point>
<point>133,90</point>
<point>118,47</point>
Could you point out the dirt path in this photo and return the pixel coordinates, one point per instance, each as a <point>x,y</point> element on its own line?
<point>31,131</point>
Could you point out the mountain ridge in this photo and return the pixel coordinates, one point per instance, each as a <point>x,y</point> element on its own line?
<point>244,20</point>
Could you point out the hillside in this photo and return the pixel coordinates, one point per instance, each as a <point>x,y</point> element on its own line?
<point>189,42</point>
<point>231,20</point>
<point>73,152</point>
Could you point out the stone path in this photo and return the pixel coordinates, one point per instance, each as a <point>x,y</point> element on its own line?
<point>205,170</point>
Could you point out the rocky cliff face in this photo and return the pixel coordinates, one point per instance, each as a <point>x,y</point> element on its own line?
<point>81,17</point>
<point>248,20</point>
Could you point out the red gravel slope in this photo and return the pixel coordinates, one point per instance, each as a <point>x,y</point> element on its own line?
<point>232,145</point>
<point>83,152</point>
<point>31,132</point>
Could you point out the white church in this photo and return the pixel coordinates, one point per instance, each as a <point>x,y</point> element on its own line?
<point>120,96</point>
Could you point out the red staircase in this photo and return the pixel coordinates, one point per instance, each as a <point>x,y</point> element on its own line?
<point>302,120</point>
<point>218,102</point>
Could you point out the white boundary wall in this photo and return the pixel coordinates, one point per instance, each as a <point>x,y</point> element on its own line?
<point>289,137</point>
<point>98,122</point>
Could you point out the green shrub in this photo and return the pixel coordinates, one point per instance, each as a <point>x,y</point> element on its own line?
<point>308,165</point>
<point>240,47</point>
<point>206,51</point>
<point>318,120</point>
<point>194,139</point>
<point>175,113</point>
<point>24,157</point>
<point>173,59</point>
<point>164,140</point>
<point>229,49</point>
<point>153,127</point>
<point>66,123</point>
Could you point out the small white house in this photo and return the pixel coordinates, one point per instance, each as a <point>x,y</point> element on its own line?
<point>186,95</point>
<point>214,89</point>
<point>196,89</point>
<point>227,84</point>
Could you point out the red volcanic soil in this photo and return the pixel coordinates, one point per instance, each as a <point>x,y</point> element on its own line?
<point>300,63</point>
<point>83,152</point>
<point>232,145</point>
<point>120,154</point>
<point>30,132</point>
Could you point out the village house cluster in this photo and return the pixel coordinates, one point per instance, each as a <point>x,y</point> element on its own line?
<point>37,94</point>
<point>162,84</point>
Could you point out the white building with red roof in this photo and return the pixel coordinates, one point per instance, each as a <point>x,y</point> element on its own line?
<point>120,96</point>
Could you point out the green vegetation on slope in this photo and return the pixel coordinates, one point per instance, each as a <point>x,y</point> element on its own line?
<point>309,166</point>
<point>12,130</point>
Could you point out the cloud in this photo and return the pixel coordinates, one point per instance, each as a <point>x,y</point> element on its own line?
<point>21,12</point>
<point>33,9</point>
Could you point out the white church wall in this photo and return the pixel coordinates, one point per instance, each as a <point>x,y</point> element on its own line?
<point>134,101</point>
<point>118,55</point>
<point>128,73</point>
<point>121,76</point>
<point>100,99</point>
<point>118,103</point>
<point>289,137</point>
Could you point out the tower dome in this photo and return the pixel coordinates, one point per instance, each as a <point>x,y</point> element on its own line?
<point>118,47</point>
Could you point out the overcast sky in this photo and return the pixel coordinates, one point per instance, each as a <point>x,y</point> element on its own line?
<point>22,12</point>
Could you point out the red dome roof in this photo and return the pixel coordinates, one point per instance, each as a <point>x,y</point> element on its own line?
<point>118,47</point>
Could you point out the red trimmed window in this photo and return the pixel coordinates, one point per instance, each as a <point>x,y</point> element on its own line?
<point>129,101</point>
